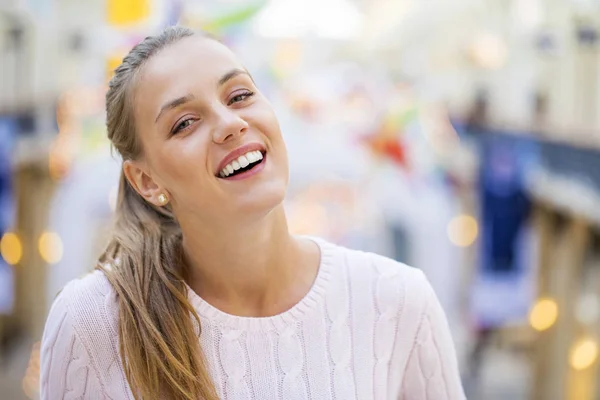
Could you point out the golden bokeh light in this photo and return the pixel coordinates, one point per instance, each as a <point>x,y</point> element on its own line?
<point>463,230</point>
<point>50,247</point>
<point>127,12</point>
<point>543,314</point>
<point>11,248</point>
<point>584,354</point>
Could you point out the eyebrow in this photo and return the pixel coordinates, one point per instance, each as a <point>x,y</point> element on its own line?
<point>174,104</point>
<point>187,98</point>
<point>232,74</point>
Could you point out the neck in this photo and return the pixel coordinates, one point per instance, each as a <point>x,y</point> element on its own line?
<point>246,268</point>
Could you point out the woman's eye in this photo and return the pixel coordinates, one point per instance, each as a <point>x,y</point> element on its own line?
<point>240,97</point>
<point>182,125</point>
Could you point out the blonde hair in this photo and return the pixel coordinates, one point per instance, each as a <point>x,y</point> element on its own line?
<point>158,328</point>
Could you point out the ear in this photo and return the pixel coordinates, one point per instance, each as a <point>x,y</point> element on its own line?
<point>141,181</point>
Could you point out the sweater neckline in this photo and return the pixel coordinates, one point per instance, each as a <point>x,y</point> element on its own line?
<point>214,316</point>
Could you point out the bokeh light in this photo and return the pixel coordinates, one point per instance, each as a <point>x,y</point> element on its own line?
<point>127,12</point>
<point>584,354</point>
<point>543,314</point>
<point>11,248</point>
<point>489,51</point>
<point>50,247</point>
<point>463,230</point>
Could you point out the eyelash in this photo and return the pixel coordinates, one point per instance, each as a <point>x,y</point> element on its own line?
<point>245,95</point>
<point>181,125</point>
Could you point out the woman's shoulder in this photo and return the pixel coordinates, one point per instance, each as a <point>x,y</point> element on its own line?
<point>87,291</point>
<point>94,281</point>
<point>393,285</point>
<point>79,351</point>
<point>368,265</point>
<point>89,303</point>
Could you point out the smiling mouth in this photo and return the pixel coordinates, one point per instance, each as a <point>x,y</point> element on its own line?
<point>242,164</point>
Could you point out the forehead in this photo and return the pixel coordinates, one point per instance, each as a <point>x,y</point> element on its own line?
<point>176,69</point>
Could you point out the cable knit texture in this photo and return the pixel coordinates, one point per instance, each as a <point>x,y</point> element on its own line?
<point>369,328</point>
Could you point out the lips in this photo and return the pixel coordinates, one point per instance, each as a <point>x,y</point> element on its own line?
<point>241,160</point>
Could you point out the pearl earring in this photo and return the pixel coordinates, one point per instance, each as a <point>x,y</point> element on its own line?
<point>162,199</point>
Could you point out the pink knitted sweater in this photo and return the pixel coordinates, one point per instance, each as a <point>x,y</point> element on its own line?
<point>369,328</point>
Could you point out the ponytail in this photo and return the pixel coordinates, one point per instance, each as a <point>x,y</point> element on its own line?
<point>159,344</point>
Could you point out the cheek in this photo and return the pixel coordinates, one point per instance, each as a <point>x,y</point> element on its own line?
<point>273,127</point>
<point>269,126</point>
<point>183,160</point>
<point>265,120</point>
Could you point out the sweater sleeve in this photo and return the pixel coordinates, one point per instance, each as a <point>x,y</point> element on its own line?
<point>432,370</point>
<point>66,371</point>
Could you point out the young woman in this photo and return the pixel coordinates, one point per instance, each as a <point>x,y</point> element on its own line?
<point>202,292</point>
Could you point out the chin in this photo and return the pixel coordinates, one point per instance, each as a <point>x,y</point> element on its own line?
<point>263,201</point>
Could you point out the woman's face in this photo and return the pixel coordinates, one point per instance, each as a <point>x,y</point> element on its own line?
<point>211,141</point>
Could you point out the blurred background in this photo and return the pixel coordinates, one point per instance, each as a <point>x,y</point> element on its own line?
<point>460,137</point>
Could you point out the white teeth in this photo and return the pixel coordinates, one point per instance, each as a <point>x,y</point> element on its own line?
<point>241,162</point>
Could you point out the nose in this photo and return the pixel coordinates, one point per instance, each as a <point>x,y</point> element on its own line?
<point>229,125</point>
